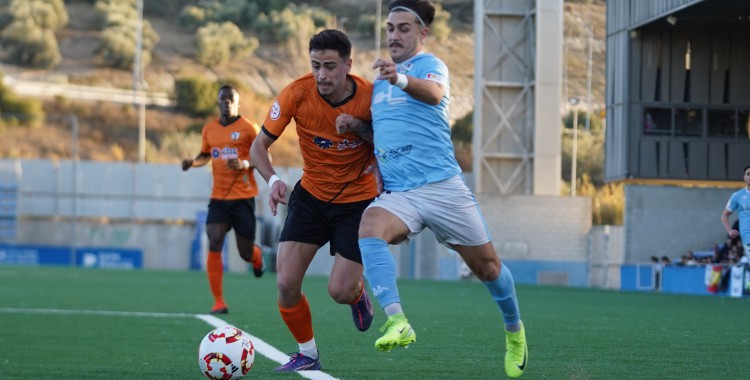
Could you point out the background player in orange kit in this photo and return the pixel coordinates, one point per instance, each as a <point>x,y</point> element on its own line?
<point>226,143</point>
<point>327,203</point>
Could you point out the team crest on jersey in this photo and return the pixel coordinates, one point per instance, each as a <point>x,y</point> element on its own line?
<point>405,68</point>
<point>275,110</point>
<point>322,143</point>
<point>235,136</point>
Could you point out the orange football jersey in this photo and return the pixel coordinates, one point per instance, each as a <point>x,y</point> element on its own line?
<point>223,142</point>
<point>333,162</point>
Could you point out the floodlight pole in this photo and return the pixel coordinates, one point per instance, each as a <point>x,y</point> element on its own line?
<point>75,156</point>
<point>138,87</point>
<point>574,155</point>
<point>588,77</point>
<point>378,21</point>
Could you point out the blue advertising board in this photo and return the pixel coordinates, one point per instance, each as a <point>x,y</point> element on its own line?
<point>18,254</point>
<point>90,257</point>
<point>109,258</point>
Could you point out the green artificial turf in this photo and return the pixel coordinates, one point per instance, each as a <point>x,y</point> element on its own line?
<point>54,324</point>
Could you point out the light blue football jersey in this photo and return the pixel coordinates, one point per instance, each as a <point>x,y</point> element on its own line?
<point>412,138</point>
<point>740,202</point>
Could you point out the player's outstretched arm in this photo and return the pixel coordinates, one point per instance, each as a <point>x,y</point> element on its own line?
<point>425,91</point>
<point>199,160</point>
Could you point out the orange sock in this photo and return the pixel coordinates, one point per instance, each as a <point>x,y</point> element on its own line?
<point>257,259</point>
<point>359,295</point>
<point>298,320</point>
<point>215,272</point>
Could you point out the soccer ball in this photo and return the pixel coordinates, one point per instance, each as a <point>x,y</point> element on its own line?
<point>226,353</point>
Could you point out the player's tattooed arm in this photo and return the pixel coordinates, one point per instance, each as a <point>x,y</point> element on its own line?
<point>348,123</point>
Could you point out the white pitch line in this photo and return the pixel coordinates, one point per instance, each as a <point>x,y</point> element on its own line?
<point>12,310</point>
<point>261,346</point>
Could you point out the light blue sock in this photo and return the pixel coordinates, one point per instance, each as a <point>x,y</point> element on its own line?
<point>503,290</point>
<point>380,270</point>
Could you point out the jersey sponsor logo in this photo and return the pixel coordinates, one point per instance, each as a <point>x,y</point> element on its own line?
<point>225,152</point>
<point>392,154</point>
<point>346,144</point>
<point>275,110</point>
<point>435,77</point>
<point>322,143</point>
<point>235,136</point>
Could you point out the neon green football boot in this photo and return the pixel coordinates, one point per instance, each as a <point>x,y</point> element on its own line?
<point>398,332</point>
<point>516,352</point>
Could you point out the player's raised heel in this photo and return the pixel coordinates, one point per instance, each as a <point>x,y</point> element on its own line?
<point>516,352</point>
<point>398,332</point>
<point>259,264</point>
<point>300,362</point>
<point>362,312</point>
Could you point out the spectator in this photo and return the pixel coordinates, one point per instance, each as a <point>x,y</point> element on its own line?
<point>690,259</point>
<point>722,251</point>
<point>735,254</point>
<point>657,272</point>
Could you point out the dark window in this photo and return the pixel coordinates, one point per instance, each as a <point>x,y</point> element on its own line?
<point>721,123</point>
<point>688,122</point>
<point>657,121</point>
<point>743,123</point>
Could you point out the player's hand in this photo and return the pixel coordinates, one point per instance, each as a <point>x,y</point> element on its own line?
<point>374,169</point>
<point>734,234</point>
<point>187,164</point>
<point>277,196</point>
<point>346,123</point>
<point>387,70</point>
<point>236,164</point>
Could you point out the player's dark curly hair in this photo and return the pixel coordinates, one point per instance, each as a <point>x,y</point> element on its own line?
<point>332,39</point>
<point>424,8</point>
<point>228,87</point>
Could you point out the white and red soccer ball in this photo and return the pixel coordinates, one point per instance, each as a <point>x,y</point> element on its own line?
<point>226,353</point>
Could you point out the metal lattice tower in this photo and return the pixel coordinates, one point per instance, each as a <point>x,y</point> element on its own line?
<point>517,97</point>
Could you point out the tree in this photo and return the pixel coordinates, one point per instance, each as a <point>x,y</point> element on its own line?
<point>196,96</point>
<point>118,40</point>
<point>439,29</point>
<point>217,43</point>
<point>29,31</point>
<point>28,112</point>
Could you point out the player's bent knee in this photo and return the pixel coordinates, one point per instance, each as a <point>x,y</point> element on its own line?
<point>487,270</point>
<point>343,294</point>
<point>247,256</point>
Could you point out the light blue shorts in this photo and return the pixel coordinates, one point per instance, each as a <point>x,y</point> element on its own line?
<point>447,207</point>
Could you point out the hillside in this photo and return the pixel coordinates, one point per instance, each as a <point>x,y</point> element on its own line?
<point>108,131</point>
